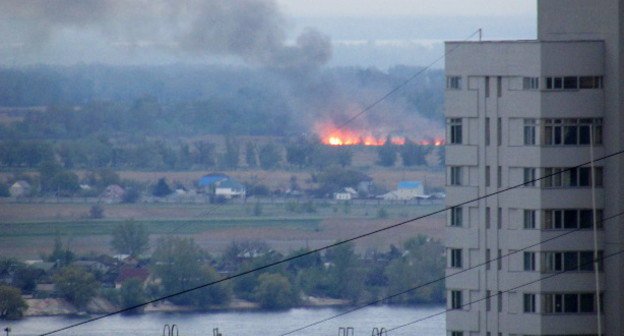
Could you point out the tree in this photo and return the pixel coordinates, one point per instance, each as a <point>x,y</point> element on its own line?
<point>76,285</point>
<point>64,183</point>
<point>251,155</point>
<point>232,152</point>
<point>96,211</point>
<point>161,189</point>
<point>275,292</point>
<point>131,294</point>
<point>387,153</point>
<point>60,255</point>
<point>12,305</point>
<point>4,190</point>
<point>181,264</point>
<point>413,154</point>
<point>269,156</point>
<point>346,278</point>
<point>131,238</point>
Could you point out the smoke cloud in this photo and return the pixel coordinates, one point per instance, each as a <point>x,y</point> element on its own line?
<point>253,30</point>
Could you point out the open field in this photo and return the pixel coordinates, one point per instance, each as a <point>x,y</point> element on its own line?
<point>27,230</point>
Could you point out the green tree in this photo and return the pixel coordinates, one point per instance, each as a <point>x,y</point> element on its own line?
<point>257,210</point>
<point>269,156</point>
<point>63,183</point>
<point>131,238</point>
<point>251,155</point>
<point>60,255</point>
<point>96,211</point>
<point>4,189</point>
<point>275,292</point>
<point>346,276</point>
<point>387,153</point>
<point>76,285</point>
<point>413,154</point>
<point>181,264</point>
<point>232,152</point>
<point>161,188</point>
<point>12,305</point>
<point>420,262</point>
<point>131,294</point>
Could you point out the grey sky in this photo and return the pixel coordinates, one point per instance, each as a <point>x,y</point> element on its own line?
<point>379,33</point>
<point>408,7</point>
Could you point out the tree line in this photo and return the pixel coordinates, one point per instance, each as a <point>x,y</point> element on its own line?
<point>180,263</point>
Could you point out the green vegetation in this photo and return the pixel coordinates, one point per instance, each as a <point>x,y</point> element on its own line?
<point>12,306</point>
<point>130,238</point>
<point>76,285</point>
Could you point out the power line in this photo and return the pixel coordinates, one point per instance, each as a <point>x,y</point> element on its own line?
<point>371,106</point>
<point>371,303</point>
<point>285,260</point>
<point>404,83</point>
<point>506,291</point>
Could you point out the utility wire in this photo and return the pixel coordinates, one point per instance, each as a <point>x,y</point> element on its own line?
<point>371,303</point>
<point>404,83</point>
<point>371,106</point>
<point>285,260</point>
<point>506,291</point>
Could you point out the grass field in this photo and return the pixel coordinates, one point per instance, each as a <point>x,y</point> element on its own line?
<point>27,230</point>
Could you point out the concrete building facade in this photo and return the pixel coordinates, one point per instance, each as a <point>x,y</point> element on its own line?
<point>521,110</point>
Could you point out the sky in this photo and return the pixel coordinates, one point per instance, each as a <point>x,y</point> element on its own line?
<point>367,33</point>
<point>372,8</point>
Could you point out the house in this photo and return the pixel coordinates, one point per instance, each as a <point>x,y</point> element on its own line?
<point>230,188</point>
<point>131,272</point>
<point>345,194</point>
<point>406,191</point>
<point>91,266</point>
<point>112,194</point>
<point>20,188</point>
<point>218,184</point>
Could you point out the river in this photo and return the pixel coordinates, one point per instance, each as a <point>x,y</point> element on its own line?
<point>248,323</point>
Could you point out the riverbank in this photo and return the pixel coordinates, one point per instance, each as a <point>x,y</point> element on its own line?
<point>60,307</point>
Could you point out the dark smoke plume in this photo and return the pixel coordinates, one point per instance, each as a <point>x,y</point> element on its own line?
<point>253,30</point>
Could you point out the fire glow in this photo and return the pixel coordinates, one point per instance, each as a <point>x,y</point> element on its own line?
<point>348,137</point>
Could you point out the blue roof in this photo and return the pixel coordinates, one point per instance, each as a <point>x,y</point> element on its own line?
<point>211,179</point>
<point>409,185</point>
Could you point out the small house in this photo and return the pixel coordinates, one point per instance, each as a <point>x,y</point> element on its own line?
<point>218,184</point>
<point>20,188</point>
<point>345,194</point>
<point>112,194</point>
<point>127,273</point>
<point>407,190</point>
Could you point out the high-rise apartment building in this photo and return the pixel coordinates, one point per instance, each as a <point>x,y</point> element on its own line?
<point>520,110</point>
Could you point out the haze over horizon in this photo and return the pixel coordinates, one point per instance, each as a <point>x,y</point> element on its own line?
<point>369,34</point>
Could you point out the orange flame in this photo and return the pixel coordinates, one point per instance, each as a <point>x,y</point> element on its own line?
<point>332,136</point>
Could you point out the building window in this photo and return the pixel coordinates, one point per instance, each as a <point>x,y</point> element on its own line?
<point>529,305</point>
<point>487,87</point>
<point>571,177</point>
<point>529,131</point>
<point>499,86</point>
<point>488,301</point>
<point>499,218</point>
<point>569,303</point>
<point>487,176</point>
<point>571,131</point>
<point>529,261</point>
<point>456,299</point>
<point>529,219</point>
<point>530,83</point>
<point>487,131</point>
<point>455,131</point>
<point>529,177</point>
<point>488,256</point>
<point>457,216</point>
<point>499,176</point>
<point>457,333</point>
<point>499,260</point>
<point>561,219</point>
<point>455,176</point>
<point>456,258</point>
<point>454,82</point>
<point>499,301</point>
<point>574,82</point>
<point>488,218</point>
<point>581,261</point>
